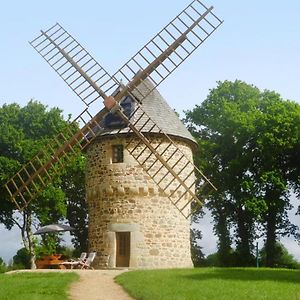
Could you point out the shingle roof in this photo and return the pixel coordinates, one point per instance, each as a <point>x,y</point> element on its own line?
<point>155,106</point>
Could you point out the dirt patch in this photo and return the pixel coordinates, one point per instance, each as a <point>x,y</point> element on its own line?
<point>98,285</point>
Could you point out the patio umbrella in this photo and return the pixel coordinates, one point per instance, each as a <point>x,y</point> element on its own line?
<point>53,228</point>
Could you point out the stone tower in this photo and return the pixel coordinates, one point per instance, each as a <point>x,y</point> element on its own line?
<point>131,222</point>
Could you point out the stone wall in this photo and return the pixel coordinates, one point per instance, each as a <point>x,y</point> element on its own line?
<point>123,198</point>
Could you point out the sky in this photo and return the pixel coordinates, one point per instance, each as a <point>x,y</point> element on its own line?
<point>259,43</point>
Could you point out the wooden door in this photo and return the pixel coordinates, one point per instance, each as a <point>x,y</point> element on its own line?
<point>123,249</point>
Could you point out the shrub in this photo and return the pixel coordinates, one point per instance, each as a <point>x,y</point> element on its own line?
<point>22,259</point>
<point>283,259</point>
<point>3,267</point>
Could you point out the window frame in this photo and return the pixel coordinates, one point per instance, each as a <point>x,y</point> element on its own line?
<point>117,153</point>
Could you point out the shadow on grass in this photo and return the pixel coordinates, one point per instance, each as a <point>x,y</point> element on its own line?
<point>279,275</point>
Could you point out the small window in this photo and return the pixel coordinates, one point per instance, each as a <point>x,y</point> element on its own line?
<point>117,153</point>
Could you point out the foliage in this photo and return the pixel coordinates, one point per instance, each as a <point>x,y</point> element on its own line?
<point>73,185</point>
<point>213,260</point>
<point>196,236</point>
<point>28,286</point>
<point>23,131</point>
<point>212,283</point>
<point>196,250</point>
<point>216,259</point>
<point>282,258</point>
<point>68,252</point>
<point>3,266</point>
<point>248,144</point>
<point>48,246</point>
<point>22,259</point>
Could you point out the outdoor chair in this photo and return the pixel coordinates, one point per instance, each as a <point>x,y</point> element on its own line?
<point>87,263</point>
<point>75,262</point>
<point>82,256</point>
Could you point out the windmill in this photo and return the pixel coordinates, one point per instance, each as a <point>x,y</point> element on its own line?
<point>125,119</point>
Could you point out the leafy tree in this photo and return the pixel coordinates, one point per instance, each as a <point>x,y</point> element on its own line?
<point>247,141</point>
<point>73,185</point>
<point>23,131</point>
<point>277,130</point>
<point>222,129</point>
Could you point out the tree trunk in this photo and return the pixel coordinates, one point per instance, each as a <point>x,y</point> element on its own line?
<point>244,238</point>
<point>271,239</point>
<point>222,231</point>
<point>27,237</point>
<point>30,242</point>
<point>271,229</point>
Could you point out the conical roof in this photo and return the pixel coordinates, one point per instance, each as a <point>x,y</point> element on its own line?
<point>155,107</point>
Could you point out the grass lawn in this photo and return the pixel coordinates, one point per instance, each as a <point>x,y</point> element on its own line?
<point>212,283</point>
<point>35,286</point>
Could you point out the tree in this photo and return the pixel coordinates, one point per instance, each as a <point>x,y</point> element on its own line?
<point>282,258</point>
<point>277,131</point>
<point>73,185</point>
<point>246,144</point>
<point>196,250</point>
<point>22,259</point>
<point>195,237</point>
<point>222,129</point>
<point>3,267</point>
<point>23,131</point>
<point>222,229</point>
<point>213,260</point>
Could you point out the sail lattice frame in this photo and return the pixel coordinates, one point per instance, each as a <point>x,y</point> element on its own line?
<point>90,82</point>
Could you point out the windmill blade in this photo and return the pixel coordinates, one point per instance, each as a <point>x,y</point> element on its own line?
<point>169,167</point>
<point>166,164</point>
<point>74,64</point>
<point>158,59</point>
<point>171,178</point>
<point>34,176</point>
<point>155,62</point>
<point>90,82</point>
<point>169,48</point>
<point>176,180</point>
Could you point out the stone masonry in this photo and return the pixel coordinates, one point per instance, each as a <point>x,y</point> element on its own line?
<point>123,198</point>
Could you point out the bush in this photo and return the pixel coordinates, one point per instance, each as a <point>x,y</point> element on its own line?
<point>283,259</point>
<point>216,260</point>
<point>213,260</point>
<point>3,267</point>
<point>22,259</point>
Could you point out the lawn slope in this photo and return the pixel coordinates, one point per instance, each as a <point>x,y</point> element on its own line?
<point>212,283</point>
<point>36,286</point>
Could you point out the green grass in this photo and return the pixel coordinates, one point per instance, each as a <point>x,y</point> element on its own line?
<point>212,283</point>
<point>36,286</point>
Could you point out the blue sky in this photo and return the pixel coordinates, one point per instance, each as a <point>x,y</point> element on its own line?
<point>259,43</point>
